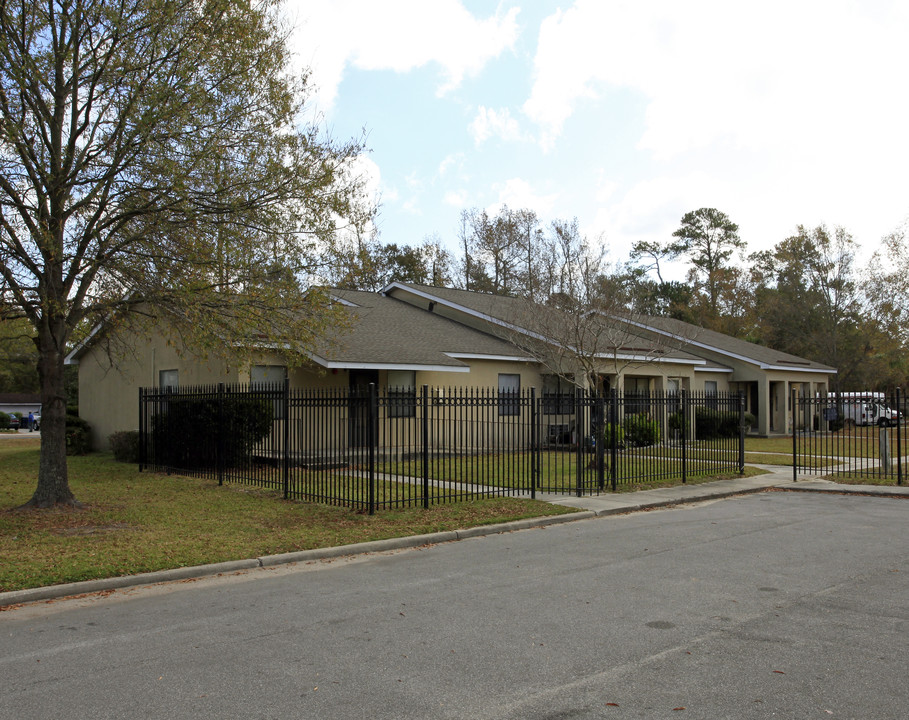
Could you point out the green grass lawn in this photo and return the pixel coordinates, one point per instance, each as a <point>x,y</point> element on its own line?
<point>558,470</point>
<point>136,522</point>
<point>852,442</point>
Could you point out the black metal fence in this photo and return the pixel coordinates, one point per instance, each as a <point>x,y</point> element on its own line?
<point>859,435</point>
<point>373,448</point>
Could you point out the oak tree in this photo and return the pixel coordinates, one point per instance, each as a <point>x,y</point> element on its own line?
<point>152,162</point>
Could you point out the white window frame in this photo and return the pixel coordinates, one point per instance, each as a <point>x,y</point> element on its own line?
<point>509,394</point>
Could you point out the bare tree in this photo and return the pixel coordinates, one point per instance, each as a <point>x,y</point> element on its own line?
<point>583,332</point>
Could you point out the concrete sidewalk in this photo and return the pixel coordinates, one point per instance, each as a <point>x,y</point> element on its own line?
<point>590,506</point>
<point>776,477</point>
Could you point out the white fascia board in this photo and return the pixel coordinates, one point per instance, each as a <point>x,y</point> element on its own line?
<point>651,359</point>
<point>70,359</point>
<point>342,301</point>
<point>713,348</point>
<point>788,368</point>
<point>480,356</point>
<point>342,365</point>
<point>714,369</point>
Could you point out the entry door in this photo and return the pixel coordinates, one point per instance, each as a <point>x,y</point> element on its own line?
<point>753,403</point>
<point>359,407</point>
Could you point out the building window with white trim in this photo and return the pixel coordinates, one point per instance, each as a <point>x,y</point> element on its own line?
<point>637,395</point>
<point>509,394</point>
<point>673,394</point>
<point>269,380</point>
<point>169,380</point>
<point>402,393</point>
<point>558,395</point>
<point>710,394</point>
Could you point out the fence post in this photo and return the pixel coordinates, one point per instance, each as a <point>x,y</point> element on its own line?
<point>286,468</point>
<point>579,450</point>
<point>219,444</point>
<point>613,440</point>
<point>795,446</point>
<point>599,440</point>
<point>900,424</point>
<point>141,428</point>
<point>372,420</point>
<point>741,433</point>
<point>534,445</point>
<point>425,453</point>
<point>684,433</point>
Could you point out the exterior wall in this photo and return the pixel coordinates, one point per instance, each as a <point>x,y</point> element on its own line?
<point>109,395</point>
<point>722,380</point>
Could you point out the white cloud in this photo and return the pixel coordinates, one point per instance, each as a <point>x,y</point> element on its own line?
<point>517,193</point>
<point>796,73</point>
<point>397,35</point>
<point>490,122</point>
<point>778,114</point>
<point>456,198</point>
<point>455,160</point>
<point>365,168</point>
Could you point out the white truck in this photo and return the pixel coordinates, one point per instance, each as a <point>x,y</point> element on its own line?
<point>866,411</point>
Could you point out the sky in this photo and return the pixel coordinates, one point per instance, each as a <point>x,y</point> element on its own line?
<point>625,115</point>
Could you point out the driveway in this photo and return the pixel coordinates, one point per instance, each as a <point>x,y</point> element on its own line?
<point>777,604</point>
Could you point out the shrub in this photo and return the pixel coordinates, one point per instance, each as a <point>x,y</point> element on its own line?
<point>78,436</point>
<point>619,436</point>
<point>185,433</point>
<point>641,430</point>
<point>125,445</point>
<point>710,423</point>
<point>4,421</point>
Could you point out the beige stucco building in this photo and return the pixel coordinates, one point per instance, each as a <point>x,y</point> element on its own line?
<point>411,335</point>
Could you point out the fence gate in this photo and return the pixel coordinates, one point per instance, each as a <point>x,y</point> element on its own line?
<point>850,435</point>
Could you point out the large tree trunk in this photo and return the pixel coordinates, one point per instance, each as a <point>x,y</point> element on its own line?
<point>53,480</point>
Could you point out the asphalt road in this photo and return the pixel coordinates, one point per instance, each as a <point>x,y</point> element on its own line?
<point>776,605</point>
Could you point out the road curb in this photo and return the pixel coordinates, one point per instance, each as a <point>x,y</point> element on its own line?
<point>86,587</point>
<point>53,592</point>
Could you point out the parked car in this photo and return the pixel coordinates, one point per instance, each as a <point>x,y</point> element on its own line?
<point>37,421</point>
<point>13,422</point>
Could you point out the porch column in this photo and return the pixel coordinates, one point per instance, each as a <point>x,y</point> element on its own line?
<point>764,408</point>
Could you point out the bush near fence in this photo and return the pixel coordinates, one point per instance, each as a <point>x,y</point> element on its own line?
<point>641,430</point>
<point>78,436</point>
<point>125,445</point>
<point>192,432</point>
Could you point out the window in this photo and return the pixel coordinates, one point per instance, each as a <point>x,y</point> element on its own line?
<point>710,394</point>
<point>637,395</point>
<point>267,378</point>
<point>673,390</point>
<point>558,395</point>
<point>169,380</point>
<point>267,374</point>
<point>402,393</point>
<point>509,394</point>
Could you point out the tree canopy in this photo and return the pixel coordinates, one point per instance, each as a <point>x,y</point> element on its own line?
<point>151,156</point>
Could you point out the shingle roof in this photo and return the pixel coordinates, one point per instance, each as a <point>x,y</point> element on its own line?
<point>688,336</point>
<point>524,315</point>
<point>386,332</point>
<point>761,355</point>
